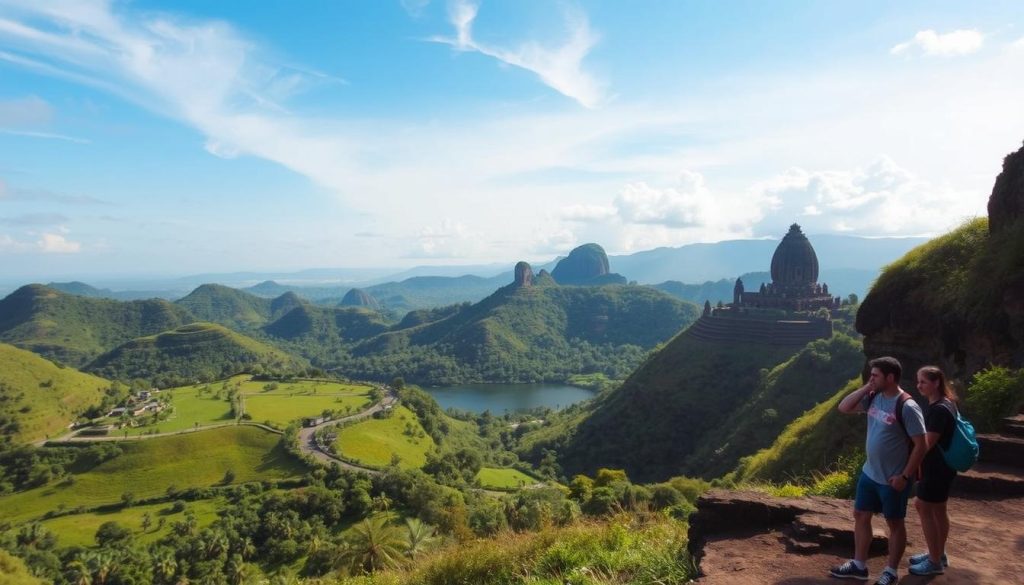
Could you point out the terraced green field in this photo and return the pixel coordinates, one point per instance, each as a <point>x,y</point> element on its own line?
<point>278,403</point>
<point>503,478</point>
<point>147,468</point>
<point>373,441</point>
<point>80,529</point>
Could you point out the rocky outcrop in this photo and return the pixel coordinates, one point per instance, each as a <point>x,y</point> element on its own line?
<point>1006,203</point>
<point>804,525</point>
<point>524,275</point>
<point>586,265</point>
<point>358,297</point>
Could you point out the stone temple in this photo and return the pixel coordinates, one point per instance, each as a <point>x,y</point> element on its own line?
<point>792,309</point>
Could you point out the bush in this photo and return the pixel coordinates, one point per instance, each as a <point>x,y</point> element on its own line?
<point>838,484</point>
<point>993,394</point>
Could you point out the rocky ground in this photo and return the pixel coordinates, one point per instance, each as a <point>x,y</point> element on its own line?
<point>747,537</point>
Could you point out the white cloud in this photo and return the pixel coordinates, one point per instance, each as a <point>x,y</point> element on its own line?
<point>586,212</point>
<point>448,239</point>
<point>560,67</point>
<point>880,199</point>
<point>57,244</point>
<point>553,240</point>
<point>951,44</point>
<point>414,8</point>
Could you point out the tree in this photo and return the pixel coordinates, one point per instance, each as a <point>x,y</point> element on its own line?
<point>147,521</point>
<point>112,533</point>
<point>421,536</point>
<point>373,545</point>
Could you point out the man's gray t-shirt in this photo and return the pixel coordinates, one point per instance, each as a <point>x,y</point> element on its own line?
<point>886,445</point>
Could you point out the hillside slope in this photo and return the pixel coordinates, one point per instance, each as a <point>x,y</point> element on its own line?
<point>528,333</point>
<point>74,329</point>
<point>38,398</point>
<point>203,351</point>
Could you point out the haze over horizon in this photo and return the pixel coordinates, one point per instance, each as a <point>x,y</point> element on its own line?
<point>189,137</point>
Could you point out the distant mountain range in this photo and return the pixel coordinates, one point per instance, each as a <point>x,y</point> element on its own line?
<point>849,264</point>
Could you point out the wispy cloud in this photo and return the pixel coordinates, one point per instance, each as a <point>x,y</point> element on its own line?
<point>559,67</point>
<point>57,244</point>
<point>44,135</point>
<point>9,193</point>
<point>933,44</point>
<point>25,112</point>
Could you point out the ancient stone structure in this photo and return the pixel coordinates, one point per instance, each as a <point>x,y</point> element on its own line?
<point>782,312</point>
<point>524,274</point>
<point>794,285</point>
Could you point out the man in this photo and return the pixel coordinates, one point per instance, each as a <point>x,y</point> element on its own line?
<point>892,462</point>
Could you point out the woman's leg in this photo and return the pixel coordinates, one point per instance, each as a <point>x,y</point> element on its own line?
<point>925,510</point>
<point>940,516</point>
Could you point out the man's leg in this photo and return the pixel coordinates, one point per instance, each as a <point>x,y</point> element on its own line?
<point>862,534</point>
<point>897,540</point>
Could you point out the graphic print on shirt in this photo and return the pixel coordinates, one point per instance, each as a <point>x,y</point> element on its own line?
<point>886,418</point>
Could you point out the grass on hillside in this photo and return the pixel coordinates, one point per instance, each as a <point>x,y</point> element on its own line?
<point>147,468</point>
<point>51,396</point>
<point>503,478</point>
<point>374,441</point>
<point>813,443</point>
<point>80,529</point>
<point>620,551</point>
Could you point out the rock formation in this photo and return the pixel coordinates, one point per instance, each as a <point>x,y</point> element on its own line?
<point>587,264</point>
<point>358,297</point>
<point>524,275</point>
<point>1007,200</point>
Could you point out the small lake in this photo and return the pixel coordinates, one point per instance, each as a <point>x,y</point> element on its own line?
<point>499,398</point>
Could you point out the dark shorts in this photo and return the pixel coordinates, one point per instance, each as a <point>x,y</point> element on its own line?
<point>880,497</point>
<point>935,489</point>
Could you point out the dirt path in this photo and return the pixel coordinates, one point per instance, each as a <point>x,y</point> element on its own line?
<point>986,546</point>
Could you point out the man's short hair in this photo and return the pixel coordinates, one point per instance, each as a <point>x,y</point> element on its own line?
<point>888,365</point>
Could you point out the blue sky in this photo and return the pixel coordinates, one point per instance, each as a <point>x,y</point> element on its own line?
<point>154,137</point>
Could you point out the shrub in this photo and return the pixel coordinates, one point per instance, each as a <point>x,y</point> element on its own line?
<point>993,394</point>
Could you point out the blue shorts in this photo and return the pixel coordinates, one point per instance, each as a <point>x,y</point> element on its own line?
<point>880,497</point>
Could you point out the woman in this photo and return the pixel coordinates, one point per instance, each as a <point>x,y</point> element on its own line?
<point>936,475</point>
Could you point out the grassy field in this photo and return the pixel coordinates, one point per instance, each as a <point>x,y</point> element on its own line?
<point>303,387</point>
<point>80,529</point>
<point>374,441</point>
<point>42,397</point>
<point>147,468</point>
<point>278,403</point>
<point>280,409</point>
<point>503,478</point>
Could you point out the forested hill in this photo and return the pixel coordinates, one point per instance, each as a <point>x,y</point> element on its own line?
<point>197,351</point>
<point>75,329</point>
<point>528,333</point>
<point>696,407</point>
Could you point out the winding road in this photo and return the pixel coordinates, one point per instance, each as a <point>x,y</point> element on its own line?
<point>309,445</point>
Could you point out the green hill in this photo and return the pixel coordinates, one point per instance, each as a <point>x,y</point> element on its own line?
<point>696,408</point>
<point>527,333</point>
<point>75,329</point>
<point>39,398</point>
<point>227,306</point>
<point>199,351</point>
<point>327,324</point>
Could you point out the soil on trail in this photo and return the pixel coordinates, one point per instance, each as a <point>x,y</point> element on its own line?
<point>744,538</point>
<point>986,546</point>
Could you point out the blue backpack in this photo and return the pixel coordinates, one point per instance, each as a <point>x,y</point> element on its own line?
<point>963,448</point>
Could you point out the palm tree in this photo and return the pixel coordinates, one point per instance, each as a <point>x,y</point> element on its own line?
<point>164,565</point>
<point>237,570</point>
<point>421,536</point>
<point>373,545</point>
<point>78,572</point>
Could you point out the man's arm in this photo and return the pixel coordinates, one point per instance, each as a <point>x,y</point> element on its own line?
<point>898,482</point>
<point>851,403</point>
